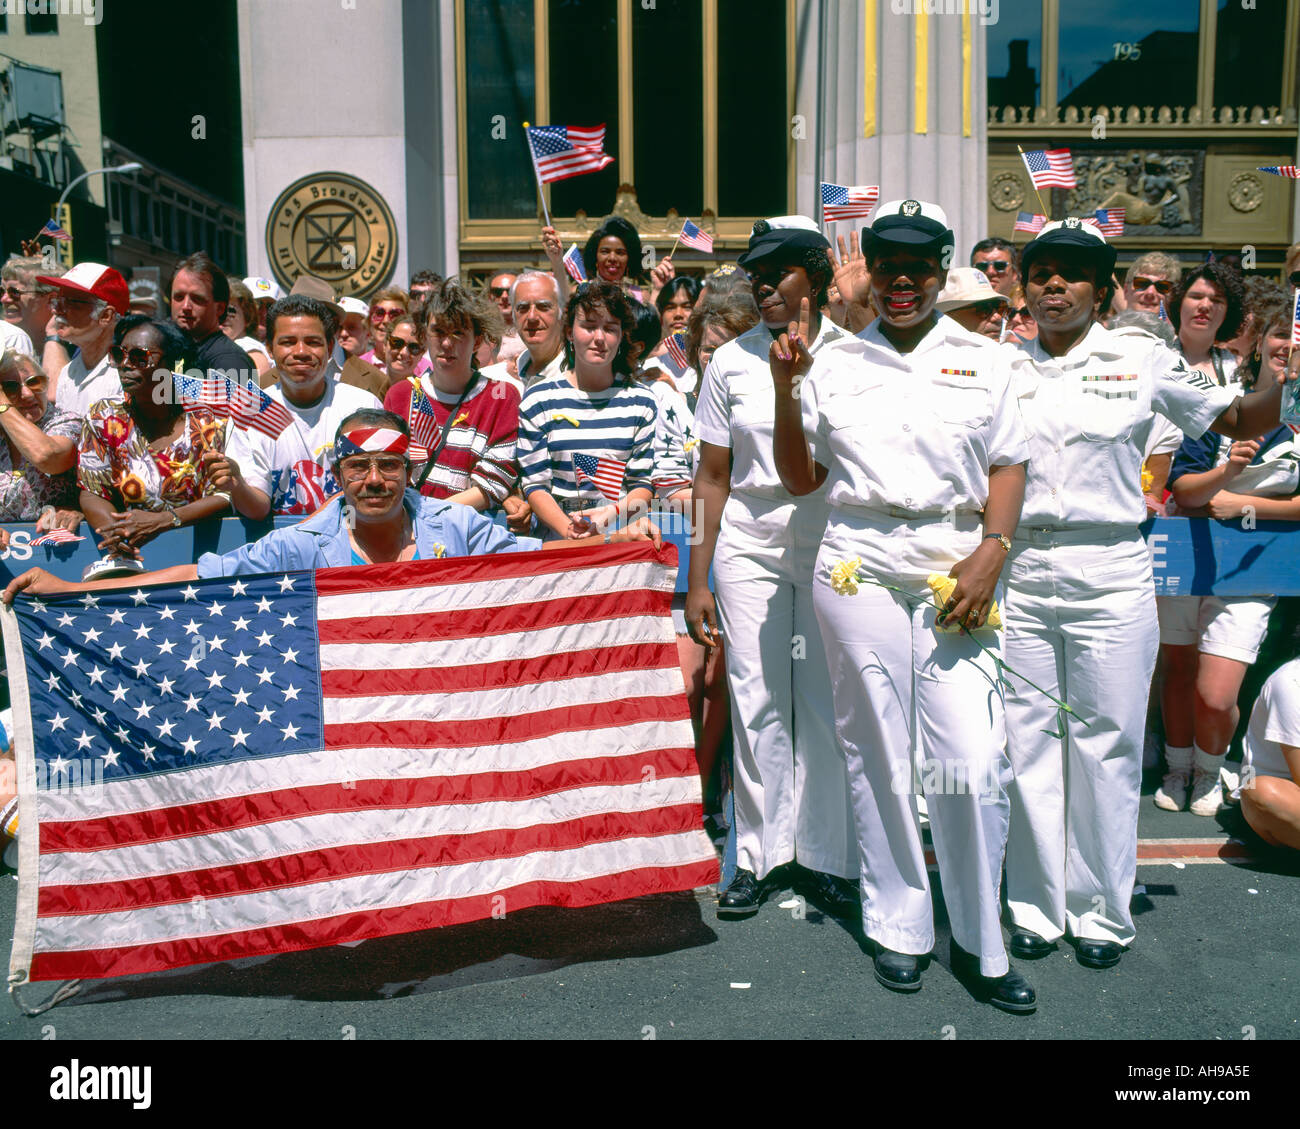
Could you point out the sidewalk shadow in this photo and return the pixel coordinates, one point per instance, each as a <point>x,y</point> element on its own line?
<point>522,944</point>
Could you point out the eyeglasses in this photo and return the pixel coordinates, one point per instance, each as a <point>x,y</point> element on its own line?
<point>356,467</point>
<point>1161,285</point>
<point>13,387</point>
<point>14,291</point>
<point>380,314</point>
<point>1294,278</point>
<point>63,301</point>
<point>134,358</point>
<point>987,307</point>
<point>498,291</point>
<point>995,265</point>
<point>1021,312</point>
<point>397,345</point>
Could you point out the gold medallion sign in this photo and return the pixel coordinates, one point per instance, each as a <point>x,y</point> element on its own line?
<point>334,227</point>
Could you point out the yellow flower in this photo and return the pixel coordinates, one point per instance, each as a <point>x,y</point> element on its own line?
<point>844,577</point>
<point>1148,479</point>
<point>690,444</point>
<point>943,588</point>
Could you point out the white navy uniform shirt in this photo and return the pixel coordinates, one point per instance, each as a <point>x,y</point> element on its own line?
<point>737,407</point>
<point>917,431</point>
<point>1089,414</point>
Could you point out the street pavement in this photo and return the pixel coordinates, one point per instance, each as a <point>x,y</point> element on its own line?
<point>1216,958</point>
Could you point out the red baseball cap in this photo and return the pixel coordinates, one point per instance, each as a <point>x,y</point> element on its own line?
<point>96,281</point>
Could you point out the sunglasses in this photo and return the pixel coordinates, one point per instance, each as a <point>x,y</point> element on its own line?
<point>498,291</point>
<point>358,466</point>
<point>1294,278</point>
<point>985,308</point>
<point>1021,312</point>
<point>380,314</point>
<point>18,291</point>
<point>1162,287</point>
<point>12,387</point>
<point>62,302</point>
<point>396,345</point>
<point>134,358</point>
<point>996,265</point>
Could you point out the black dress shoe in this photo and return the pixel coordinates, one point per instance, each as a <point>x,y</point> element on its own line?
<point>1028,945</point>
<point>1010,991</point>
<point>743,897</point>
<point>1099,954</point>
<point>839,897</point>
<point>900,972</point>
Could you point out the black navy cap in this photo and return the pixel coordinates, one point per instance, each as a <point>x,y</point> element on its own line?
<point>1073,233</point>
<point>779,237</point>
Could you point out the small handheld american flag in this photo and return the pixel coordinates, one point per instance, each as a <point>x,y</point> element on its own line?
<point>56,537</point>
<point>54,231</point>
<point>676,346</point>
<point>1025,221</point>
<point>423,423</point>
<point>1110,221</point>
<point>692,236</point>
<point>247,405</point>
<point>562,151</point>
<point>606,475</point>
<point>1295,321</point>
<point>846,202</point>
<point>1050,168</point>
<point>1281,170</point>
<point>574,265</point>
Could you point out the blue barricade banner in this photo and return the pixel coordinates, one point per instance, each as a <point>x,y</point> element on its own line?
<point>1189,556</point>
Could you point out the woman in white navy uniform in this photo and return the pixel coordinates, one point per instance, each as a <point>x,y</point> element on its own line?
<point>918,442</point>
<point>789,780</point>
<point>1080,607</point>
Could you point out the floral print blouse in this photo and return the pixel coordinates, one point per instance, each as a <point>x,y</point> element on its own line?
<point>117,464</point>
<point>24,490</point>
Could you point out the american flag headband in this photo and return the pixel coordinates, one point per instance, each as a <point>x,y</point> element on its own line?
<point>365,440</point>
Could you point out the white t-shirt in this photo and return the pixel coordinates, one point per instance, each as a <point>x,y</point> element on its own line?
<point>294,470</point>
<point>15,338</point>
<point>77,389</point>
<point>737,408</point>
<point>1274,722</point>
<point>1089,415</point>
<point>919,430</point>
<point>252,345</point>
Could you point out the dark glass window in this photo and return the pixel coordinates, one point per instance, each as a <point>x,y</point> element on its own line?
<point>753,113</point>
<point>1117,52</point>
<point>1248,53</point>
<point>499,97</point>
<point>4,23</point>
<point>668,107</point>
<point>42,25</point>
<point>584,91</point>
<point>1015,54</point>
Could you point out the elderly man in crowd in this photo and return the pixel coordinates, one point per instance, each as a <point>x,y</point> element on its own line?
<point>25,304</point>
<point>970,300</point>
<point>378,519</point>
<point>200,293</point>
<point>997,259</point>
<point>87,302</point>
<point>538,317</point>
<point>38,450</point>
<point>1150,280</point>
<point>293,473</point>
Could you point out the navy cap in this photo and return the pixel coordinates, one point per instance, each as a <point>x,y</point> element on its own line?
<point>909,223</point>
<point>782,237</point>
<point>1078,235</point>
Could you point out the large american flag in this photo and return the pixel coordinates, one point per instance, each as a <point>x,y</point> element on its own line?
<point>606,475</point>
<point>848,201</point>
<point>1050,168</point>
<point>246,766</point>
<point>247,405</point>
<point>562,151</point>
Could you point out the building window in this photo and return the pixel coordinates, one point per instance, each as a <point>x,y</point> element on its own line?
<point>42,25</point>
<point>674,84</point>
<point>1117,53</point>
<point>1248,54</point>
<point>4,23</point>
<point>1015,54</point>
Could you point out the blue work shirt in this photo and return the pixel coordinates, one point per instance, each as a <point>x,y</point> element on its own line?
<point>322,540</point>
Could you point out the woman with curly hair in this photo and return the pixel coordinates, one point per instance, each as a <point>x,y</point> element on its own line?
<point>1207,306</point>
<point>790,781</point>
<point>586,437</point>
<point>140,457</point>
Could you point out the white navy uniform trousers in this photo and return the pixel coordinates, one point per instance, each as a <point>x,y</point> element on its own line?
<point>1081,623</point>
<point>908,440</point>
<point>789,780</point>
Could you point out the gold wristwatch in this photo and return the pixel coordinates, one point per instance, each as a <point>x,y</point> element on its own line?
<point>1001,538</point>
<point>4,408</point>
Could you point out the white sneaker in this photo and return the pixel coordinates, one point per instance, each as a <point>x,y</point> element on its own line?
<point>1207,793</point>
<point>1172,793</point>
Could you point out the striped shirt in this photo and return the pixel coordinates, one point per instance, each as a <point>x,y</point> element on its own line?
<point>480,451</point>
<point>558,421</point>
